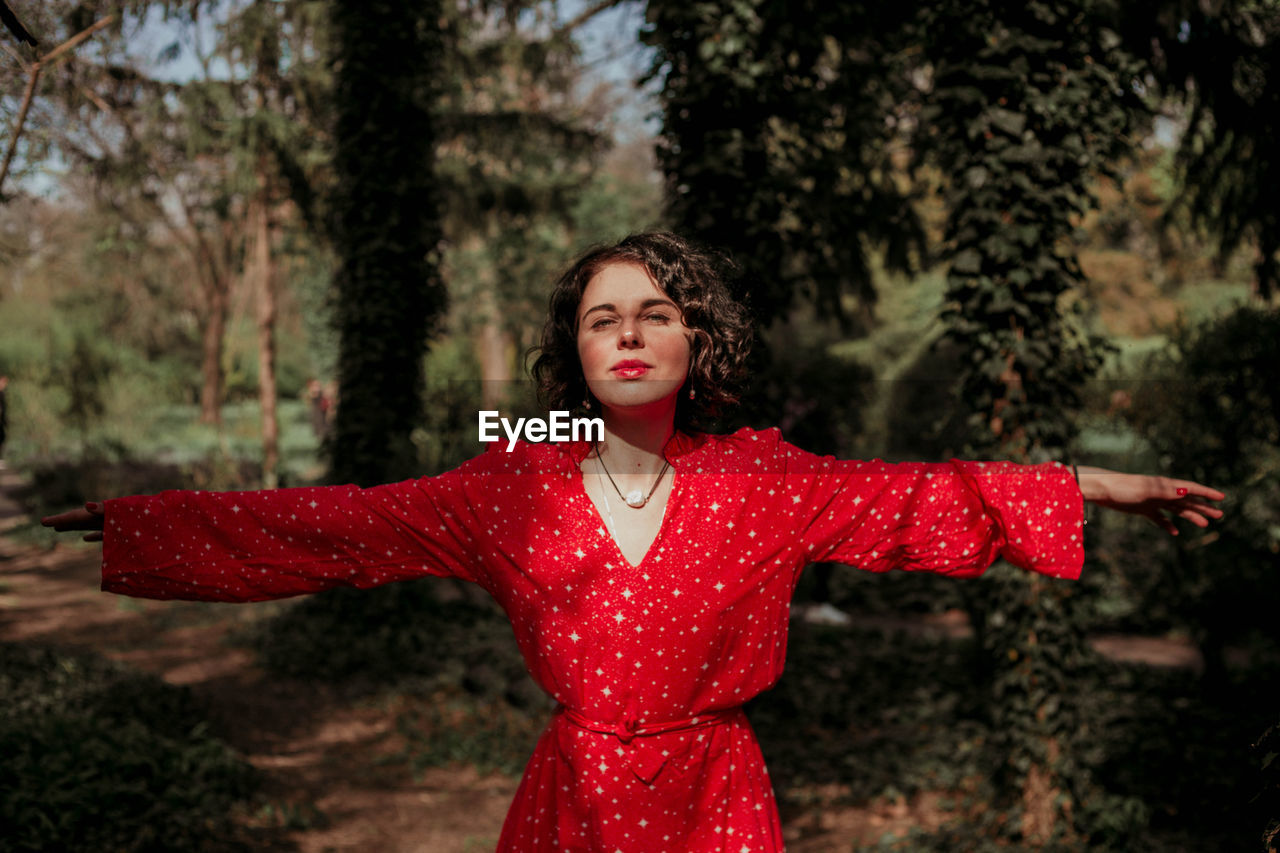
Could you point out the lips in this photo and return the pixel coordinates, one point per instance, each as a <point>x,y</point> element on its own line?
<point>629,369</point>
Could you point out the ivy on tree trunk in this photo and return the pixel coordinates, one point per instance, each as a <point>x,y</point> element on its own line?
<point>386,231</point>
<point>1028,102</point>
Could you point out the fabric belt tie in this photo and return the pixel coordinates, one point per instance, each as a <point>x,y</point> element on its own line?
<point>645,759</point>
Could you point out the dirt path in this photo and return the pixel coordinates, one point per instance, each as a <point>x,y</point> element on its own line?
<point>320,752</point>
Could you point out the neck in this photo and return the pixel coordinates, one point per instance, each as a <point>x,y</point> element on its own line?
<point>634,438</point>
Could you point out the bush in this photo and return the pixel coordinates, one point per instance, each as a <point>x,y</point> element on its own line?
<point>402,635</point>
<point>1215,417</point>
<point>95,757</point>
<point>448,663</point>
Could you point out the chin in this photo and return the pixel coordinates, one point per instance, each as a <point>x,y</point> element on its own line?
<point>633,395</point>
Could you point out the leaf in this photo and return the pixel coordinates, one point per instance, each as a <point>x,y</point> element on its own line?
<point>1010,122</point>
<point>968,261</point>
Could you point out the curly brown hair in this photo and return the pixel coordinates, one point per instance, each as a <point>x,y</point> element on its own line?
<point>691,276</point>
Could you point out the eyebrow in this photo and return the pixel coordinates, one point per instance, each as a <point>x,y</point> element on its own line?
<point>648,303</point>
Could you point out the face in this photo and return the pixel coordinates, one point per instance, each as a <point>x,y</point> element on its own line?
<point>632,340</point>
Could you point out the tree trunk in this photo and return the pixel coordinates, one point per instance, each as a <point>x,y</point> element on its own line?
<point>264,279</point>
<point>493,349</point>
<point>495,363</point>
<point>386,231</point>
<point>216,304</point>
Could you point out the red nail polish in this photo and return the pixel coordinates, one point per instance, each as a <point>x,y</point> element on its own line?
<point>1181,492</point>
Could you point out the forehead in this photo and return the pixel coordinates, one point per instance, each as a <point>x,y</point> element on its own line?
<point>620,284</point>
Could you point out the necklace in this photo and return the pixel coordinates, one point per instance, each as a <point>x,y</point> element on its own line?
<point>636,498</point>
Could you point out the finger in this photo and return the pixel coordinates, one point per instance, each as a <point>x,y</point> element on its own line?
<point>1163,523</point>
<point>1194,489</point>
<point>76,519</point>
<point>62,520</point>
<point>1194,517</point>
<point>1208,511</point>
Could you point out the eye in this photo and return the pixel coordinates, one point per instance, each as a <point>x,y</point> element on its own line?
<point>658,318</point>
<point>602,322</point>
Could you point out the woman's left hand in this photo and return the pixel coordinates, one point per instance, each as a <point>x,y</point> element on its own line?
<point>1158,499</point>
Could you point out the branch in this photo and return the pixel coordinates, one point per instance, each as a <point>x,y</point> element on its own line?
<point>75,41</point>
<point>15,26</point>
<point>585,15</point>
<point>14,55</point>
<point>34,77</point>
<point>17,126</point>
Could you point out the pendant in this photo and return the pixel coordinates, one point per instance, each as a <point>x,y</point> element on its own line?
<point>635,498</point>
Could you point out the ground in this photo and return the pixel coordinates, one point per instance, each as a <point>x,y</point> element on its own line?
<point>326,756</point>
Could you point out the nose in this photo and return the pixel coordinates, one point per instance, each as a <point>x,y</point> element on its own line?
<point>629,338</point>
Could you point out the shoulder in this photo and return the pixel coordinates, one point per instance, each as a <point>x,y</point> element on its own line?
<point>523,458</point>
<point>748,439</point>
<point>748,450</point>
<point>533,457</point>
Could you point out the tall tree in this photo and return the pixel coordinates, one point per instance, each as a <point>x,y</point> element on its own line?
<point>517,147</point>
<point>1028,101</point>
<point>157,157</point>
<point>386,230</point>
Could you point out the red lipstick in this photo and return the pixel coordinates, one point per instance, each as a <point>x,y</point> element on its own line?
<point>629,369</point>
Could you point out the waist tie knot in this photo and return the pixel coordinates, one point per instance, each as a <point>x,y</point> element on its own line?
<point>646,761</point>
<point>632,728</point>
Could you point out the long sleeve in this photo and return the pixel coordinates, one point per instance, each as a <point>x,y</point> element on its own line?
<point>953,518</point>
<point>252,546</point>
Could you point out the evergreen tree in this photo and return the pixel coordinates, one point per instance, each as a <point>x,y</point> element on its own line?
<point>518,147</point>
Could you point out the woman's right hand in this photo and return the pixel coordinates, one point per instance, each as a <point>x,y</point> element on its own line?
<point>89,518</point>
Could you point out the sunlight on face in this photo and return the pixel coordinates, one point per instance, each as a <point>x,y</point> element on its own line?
<point>632,340</point>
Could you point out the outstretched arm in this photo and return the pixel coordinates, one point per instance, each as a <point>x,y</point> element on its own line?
<point>1158,499</point>
<point>958,517</point>
<point>250,546</point>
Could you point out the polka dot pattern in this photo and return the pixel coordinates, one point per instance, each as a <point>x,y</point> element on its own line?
<point>650,662</point>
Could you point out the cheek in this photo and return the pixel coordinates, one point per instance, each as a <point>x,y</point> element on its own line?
<point>684,345</point>
<point>588,353</point>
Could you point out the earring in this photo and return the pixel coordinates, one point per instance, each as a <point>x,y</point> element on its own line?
<point>690,392</point>
<point>586,402</point>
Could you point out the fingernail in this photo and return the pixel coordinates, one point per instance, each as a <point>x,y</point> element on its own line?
<point>1181,492</point>
<point>93,506</point>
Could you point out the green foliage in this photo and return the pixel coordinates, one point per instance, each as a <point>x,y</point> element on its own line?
<point>778,121</point>
<point>452,726</point>
<point>1224,373</point>
<point>408,635</point>
<point>1223,61</point>
<point>816,399</point>
<point>863,716</point>
<point>1028,101</point>
<point>465,695</point>
<point>95,757</point>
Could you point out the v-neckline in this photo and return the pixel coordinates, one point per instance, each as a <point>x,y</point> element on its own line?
<point>604,524</point>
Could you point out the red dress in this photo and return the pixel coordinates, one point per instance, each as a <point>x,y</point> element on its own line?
<point>650,663</point>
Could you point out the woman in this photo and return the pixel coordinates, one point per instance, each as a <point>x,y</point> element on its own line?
<point>648,577</point>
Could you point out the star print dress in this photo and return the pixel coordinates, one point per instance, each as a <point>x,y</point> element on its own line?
<point>648,750</point>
